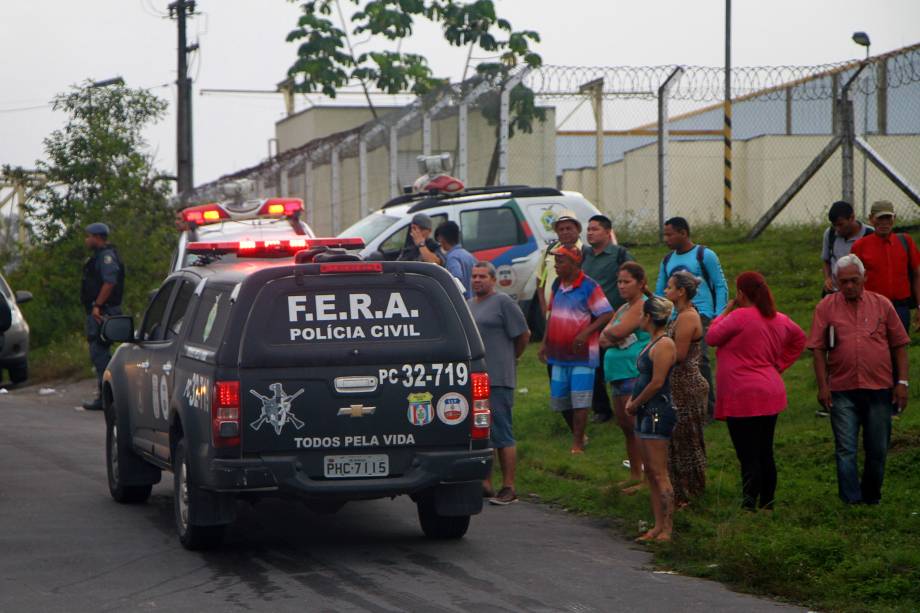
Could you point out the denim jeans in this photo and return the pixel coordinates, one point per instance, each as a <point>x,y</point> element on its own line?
<point>903,311</point>
<point>871,410</point>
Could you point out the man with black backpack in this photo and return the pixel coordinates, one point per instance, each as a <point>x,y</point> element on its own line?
<point>891,260</point>
<point>839,239</point>
<point>712,295</point>
<point>602,260</point>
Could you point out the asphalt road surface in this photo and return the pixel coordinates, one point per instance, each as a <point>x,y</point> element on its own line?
<point>65,545</point>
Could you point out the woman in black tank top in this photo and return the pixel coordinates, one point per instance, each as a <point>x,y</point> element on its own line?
<point>655,414</point>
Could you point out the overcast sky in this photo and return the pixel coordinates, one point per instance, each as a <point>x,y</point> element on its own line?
<point>49,44</point>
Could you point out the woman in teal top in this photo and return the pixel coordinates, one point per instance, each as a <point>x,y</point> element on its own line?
<point>625,339</point>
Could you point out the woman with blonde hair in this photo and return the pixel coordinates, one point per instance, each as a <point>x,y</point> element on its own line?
<point>654,412</point>
<point>687,458</point>
<point>624,339</point>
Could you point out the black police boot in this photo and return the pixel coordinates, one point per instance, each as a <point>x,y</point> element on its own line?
<point>93,405</point>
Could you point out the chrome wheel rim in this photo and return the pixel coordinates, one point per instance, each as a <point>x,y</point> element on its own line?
<point>183,497</point>
<point>113,455</point>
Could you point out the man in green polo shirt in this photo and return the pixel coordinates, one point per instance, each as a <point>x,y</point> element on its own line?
<point>602,259</point>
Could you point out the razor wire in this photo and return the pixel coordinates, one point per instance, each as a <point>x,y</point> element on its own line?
<point>707,83</point>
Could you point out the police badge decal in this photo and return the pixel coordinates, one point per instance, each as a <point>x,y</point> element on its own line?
<point>420,412</point>
<point>277,410</point>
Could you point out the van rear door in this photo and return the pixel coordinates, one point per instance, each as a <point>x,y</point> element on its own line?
<point>357,362</point>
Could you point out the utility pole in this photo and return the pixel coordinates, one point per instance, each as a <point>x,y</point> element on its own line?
<point>727,117</point>
<point>179,10</point>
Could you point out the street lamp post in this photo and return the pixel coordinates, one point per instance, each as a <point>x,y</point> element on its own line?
<point>862,39</point>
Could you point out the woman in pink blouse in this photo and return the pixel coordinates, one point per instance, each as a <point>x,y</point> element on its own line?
<point>754,345</point>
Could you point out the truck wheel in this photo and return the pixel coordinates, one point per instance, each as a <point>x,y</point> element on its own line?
<point>184,500</point>
<point>19,372</point>
<point>440,526</point>
<point>116,457</point>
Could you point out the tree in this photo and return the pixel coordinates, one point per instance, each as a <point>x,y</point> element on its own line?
<point>96,169</point>
<point>326,59</point>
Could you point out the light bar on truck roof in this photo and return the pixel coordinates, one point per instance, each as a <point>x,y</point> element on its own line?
<point>213,212</point>
<point>272,248</point>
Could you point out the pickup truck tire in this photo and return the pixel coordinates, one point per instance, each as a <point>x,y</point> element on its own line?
<point>440,526</point>
<point>185,498</point>
<point>19,371</point>
<point>118,456</point>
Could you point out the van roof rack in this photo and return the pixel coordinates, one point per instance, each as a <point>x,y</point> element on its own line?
<point>430,199</point>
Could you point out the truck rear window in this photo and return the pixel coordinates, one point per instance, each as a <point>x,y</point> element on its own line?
<point>356,315</point>
<point>367,319</point>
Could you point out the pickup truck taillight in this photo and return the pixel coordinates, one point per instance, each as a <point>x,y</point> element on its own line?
<point>225,414</point>
<point>482,410</point>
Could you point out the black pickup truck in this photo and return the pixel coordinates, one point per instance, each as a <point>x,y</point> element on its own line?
<point>319,377</point>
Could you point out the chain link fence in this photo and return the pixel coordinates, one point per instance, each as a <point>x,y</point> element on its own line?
<point>642,143</point>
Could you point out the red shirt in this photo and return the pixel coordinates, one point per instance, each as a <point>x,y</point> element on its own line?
<point>886,264</point>
<point>867,330</point>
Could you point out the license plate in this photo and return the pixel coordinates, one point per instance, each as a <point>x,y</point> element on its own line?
<point>345,466</point>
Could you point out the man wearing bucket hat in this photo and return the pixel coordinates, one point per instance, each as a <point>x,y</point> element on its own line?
<point>891,261</point>
<point>578,311</point>
<point>101,293</point>
<point>568,231</point>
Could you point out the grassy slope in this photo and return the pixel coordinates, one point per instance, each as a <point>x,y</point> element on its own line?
<point>812,549</point>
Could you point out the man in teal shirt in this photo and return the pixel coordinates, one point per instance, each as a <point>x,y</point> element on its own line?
<point>602,259</point>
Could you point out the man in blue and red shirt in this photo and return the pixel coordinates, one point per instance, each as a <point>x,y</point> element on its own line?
<point>578,311</point>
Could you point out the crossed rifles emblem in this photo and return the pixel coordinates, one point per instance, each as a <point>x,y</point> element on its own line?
<point>277,409</point>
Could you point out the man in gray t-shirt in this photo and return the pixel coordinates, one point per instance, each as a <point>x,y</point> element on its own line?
<point>505,335</point>
<point>839,239</point>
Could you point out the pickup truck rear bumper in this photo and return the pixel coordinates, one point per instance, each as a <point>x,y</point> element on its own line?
<point>285,474</point>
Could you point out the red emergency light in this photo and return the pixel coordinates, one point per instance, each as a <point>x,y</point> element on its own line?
<point>204,214</point>
<point>278,207</point>
<point>272,248</point>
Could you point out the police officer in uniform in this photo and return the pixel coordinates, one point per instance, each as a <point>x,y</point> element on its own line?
<point>101,294</point>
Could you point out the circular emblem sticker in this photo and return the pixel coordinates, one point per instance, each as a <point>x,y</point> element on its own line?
<point>453,408</point>
<point>505,275</point>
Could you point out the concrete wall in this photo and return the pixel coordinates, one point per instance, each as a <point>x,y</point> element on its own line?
<point>532,161</point>
<point>321,121</point>
<point>764,167</point>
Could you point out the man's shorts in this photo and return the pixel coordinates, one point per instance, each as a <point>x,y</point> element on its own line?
<point>502,399</point>
<point>571,387</point>
<point>623,387</point>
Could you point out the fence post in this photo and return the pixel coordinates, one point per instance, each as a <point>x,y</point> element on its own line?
<point>426,134</point>
<point>504,125</point>
<point>308,189</point>
<point>462,152</point>
<point>664,136</point>
<point>596,89</point>
<point>362,176</point>
<point>284,184</point>
<point>336,196</point>
<point>394,162</point>
<point>847,132</point>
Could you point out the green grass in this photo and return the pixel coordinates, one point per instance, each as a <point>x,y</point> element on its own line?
<point>64,358</point>
<point>812,549</point>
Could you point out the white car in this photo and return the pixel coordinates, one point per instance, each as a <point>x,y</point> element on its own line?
<point>14,343</point>
<point>262,221</point>
<point>509,226</point>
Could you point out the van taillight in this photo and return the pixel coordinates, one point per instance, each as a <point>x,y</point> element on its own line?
<point>225,414</point>
<point>482,409</point>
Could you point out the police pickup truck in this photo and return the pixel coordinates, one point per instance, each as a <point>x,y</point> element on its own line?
<point>315,376</point>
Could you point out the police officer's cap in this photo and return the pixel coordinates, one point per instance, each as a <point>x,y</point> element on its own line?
<point>97,228</point>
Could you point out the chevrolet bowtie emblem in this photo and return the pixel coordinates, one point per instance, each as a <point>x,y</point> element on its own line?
<point>357,410</point>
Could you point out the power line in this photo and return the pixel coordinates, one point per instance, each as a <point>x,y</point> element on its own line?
<point>26,108</point>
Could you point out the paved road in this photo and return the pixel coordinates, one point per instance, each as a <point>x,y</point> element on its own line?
<point>66,546</point>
